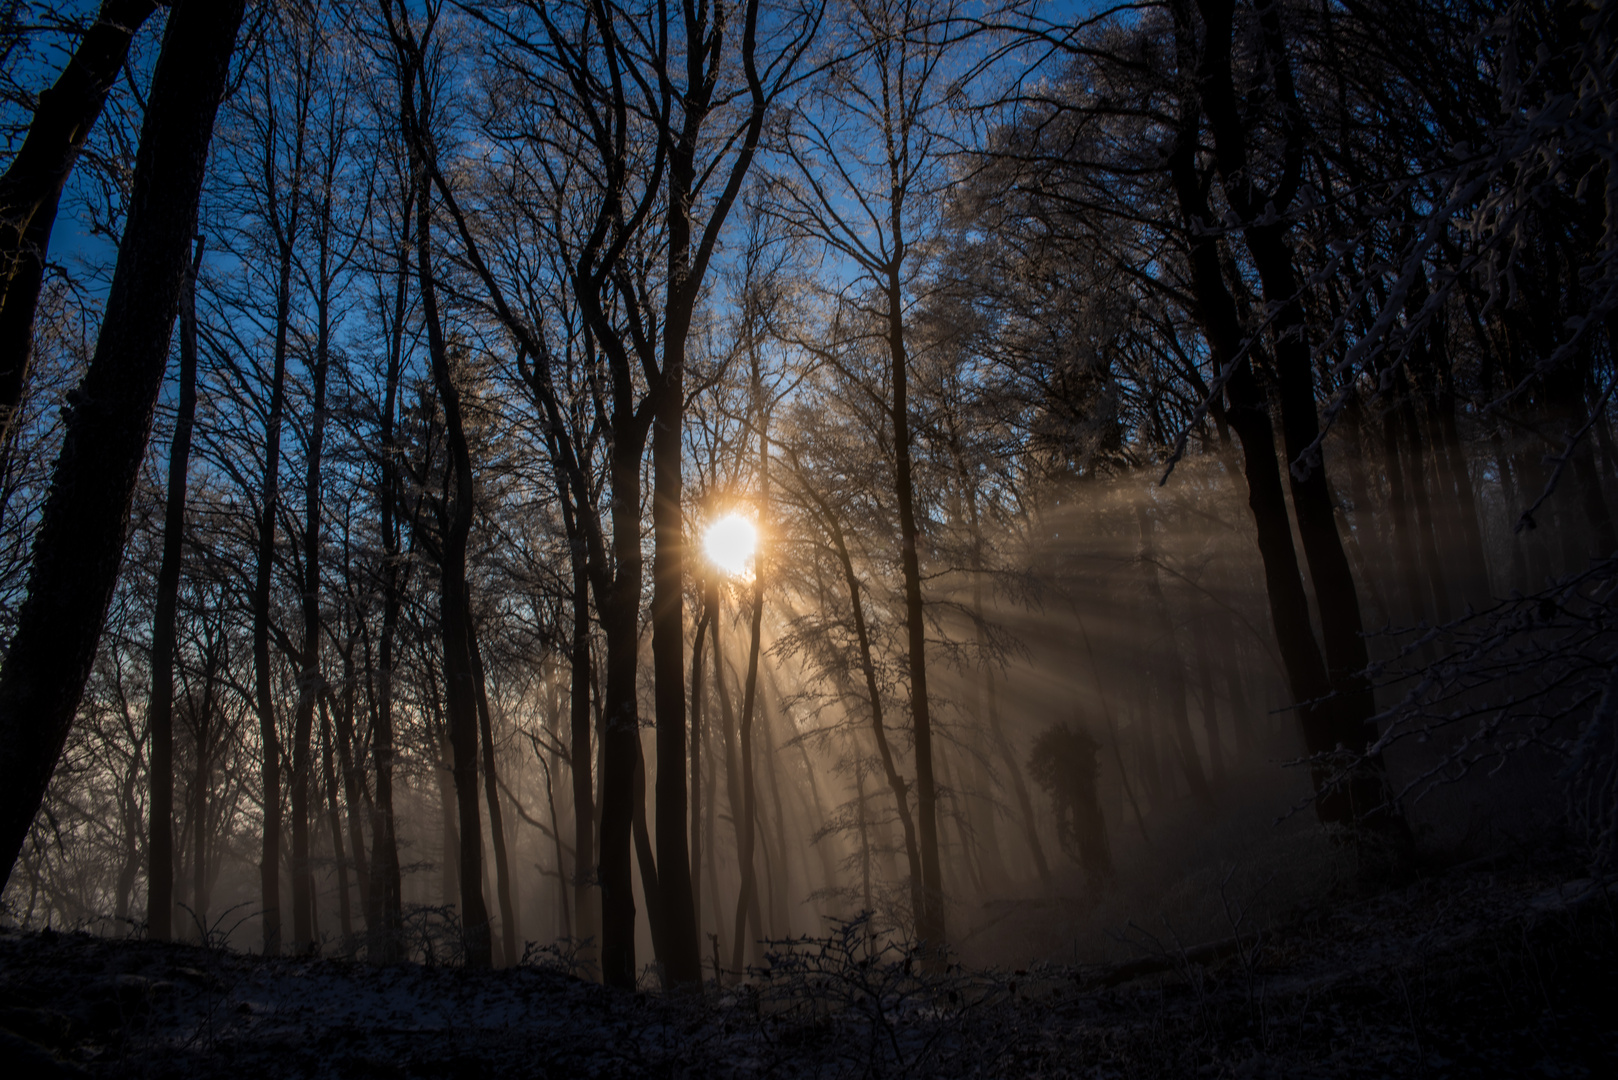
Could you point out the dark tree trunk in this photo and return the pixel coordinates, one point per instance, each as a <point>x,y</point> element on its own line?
<point>356,793</point>
<point>86,514</point>
<point>200,782</point>
<point>1248,412</point>
<point>930,929</point>
<point>385,914</point>
<point>1428,543</point>
<point>1344,721</point>
<point>129,870</point>
<point>449,868</point>
<point>620,737</point>
<point>1404,542</point>
<point>310,681</point>
<point>991,700</point>
<point>706,50</point>
<point>711,810</point>
<point>263,677</point>
<point>32,185</point>
<point>1210,711</point>
<point>160,821</point>
<point>1169,665</point>
<point>780,914</point>
<point>890,770</point>
<point>345,916</point>
<point>460,691</point>
<point>698,738</point>
<point>747,898</point>
<point>1241,714</point>
<point>491,795</point>
<point>733,777</point>
<point>355,797</point>
<point>1019,786</point>
<point>646,863</point>
<point>1336,597</point>
<point>580,756</point>
<point>678,953</point>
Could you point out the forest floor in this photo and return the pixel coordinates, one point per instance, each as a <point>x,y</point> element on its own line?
<point>1477,970</point>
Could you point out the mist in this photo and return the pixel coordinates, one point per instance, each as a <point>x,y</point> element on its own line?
<point>956,539</point>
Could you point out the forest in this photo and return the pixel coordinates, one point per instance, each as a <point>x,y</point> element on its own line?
<point>808,537</point>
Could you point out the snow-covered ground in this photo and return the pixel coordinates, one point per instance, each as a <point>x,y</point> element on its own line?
<point>1477,972</point>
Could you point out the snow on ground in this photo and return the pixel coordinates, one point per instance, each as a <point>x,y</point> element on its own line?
<point>1478,972</point>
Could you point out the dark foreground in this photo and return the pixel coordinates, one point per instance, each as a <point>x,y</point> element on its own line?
<point>1473,972</point>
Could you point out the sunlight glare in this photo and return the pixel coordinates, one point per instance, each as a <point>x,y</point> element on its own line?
<point>730,542</point>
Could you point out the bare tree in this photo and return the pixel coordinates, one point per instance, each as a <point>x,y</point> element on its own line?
<point>31,188</point>
<point>82,533</point>
<point>160,874</point>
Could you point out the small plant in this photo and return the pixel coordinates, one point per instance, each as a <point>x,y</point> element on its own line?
<point>875,1001</point>
<point>212,935</point>
<point>566,956</point>
<point>432,933</point>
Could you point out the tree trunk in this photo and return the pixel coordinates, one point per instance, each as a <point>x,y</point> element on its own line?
<point>646,863</point>
<point>310,680</point>
<point>1112,736</point>
<point>385,915</point>
<point>32,185</point>
<point>449,868</point>
<point>1404,543</point>
<point>1210,711</point>
<point>710,813</point>
<point>1167,662</point>
<point>1457,502</point>
<point>1248,412</point>
<point>460,692</point>
<point>200,782</point>
<point>896,784</point>
<point>620,738</point>
<point>580,757</point>
<point>1344,722</point>
<point>160,725</point>
<point>345,916</point>
<point>491,794</point>
<point>85,517</point>
<point>733,778</point>
<point>747,896</point>
<point>680,954</point>
<point>263,676</point>
<point>780,914</point>
<point>356,794</point>
<point>930,930</point>
<point>698,738</point>
<point>1427,540</point>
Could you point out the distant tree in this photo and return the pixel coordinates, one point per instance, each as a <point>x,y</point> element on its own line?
<point>865,165</point>
<point>1063,762</point>
<point>160,874</point>
<point>417,106</point>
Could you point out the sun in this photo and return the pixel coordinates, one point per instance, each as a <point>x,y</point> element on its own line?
<point>729,543</point>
